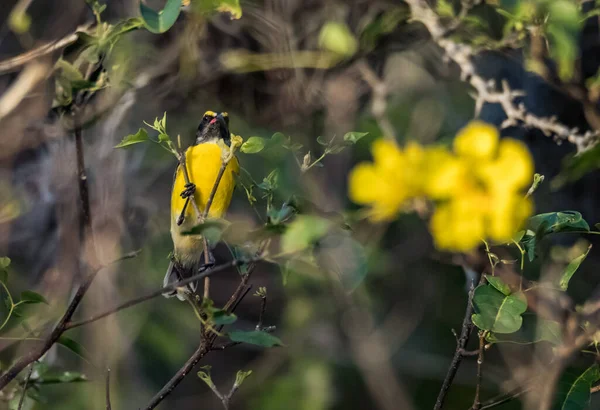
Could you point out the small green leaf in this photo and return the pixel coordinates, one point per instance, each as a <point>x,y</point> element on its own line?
<point>162,137</point>
<point>253,145</point>
<point>337,37</point>
<point>204,375</point>
<point>541,225</point>
<point>211,229</point>
<point>571,269</point>
<point>322,141</point>
<point>231,7</point>
<point>4,262</point>
<point>496,311</point>
<point>140,136</point>
<point>255,337</point>
<point>74,346</point>
<point>71,377</point>
<point>31,297</point>
<point>499,284</point>
<point>573,389</point>
<point>159,22</point>
<point>241,376</point>
<point>303,232</point>
<point>336,149</point>
<point>220,317</point>
<point>533,330</point>
<point>353,137</point>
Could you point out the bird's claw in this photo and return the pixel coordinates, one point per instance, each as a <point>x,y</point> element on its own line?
<point>188,191</point>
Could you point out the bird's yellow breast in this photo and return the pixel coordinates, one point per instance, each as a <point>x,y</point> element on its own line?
<point>203,162</point>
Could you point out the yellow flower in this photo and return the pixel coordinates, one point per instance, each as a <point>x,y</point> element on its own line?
<point>478,189</point>
<point>378,183</point>
<point>512,170</point>
<point>478,140</point>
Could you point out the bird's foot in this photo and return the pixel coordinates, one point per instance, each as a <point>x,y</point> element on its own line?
<point>189,190</point>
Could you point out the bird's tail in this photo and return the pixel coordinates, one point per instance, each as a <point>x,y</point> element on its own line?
<point>175,273</point>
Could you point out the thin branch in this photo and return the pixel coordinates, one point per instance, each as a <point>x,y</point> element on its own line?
<point>477,400</point>
<point>86,216</point>
<point>200,352</point>
<point>108,405</point>
<point>486,91</point>
<point>159,292</point>
<point>263,308</point>
<point>379,100</point>
<point>467,326</point>
<point>61,326</point>
<point>22,399</point>
<point>208,339</point>
<point>14,63</point>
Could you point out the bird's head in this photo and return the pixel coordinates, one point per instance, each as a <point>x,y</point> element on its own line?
<point>213,127</point>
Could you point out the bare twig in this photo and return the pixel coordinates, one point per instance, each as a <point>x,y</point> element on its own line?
<point>46,343</point>
<point>467,327</point>
<point>22,399</point>
<point>108,405</point>
<point>379,100</point>
<point>477,400</point>
<point>86,216</point>
<point>14,63</point>
<point>208,339</point>
<point>29,78</point>
<point>486,91</point>
<point>159,292</point>
<point>200,352</point>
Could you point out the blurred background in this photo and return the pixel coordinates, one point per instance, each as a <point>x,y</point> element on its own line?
<point>389,344</point>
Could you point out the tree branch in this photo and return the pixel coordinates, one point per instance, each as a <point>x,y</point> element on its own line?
<point>159,292</point>
<point>467,327</point>
<point>486,92</point>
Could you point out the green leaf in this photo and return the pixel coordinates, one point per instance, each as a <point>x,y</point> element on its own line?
<point>563,24</point>
<point>221,317</point>
<point>573,390</point>
<point>140,136</point>
<point>499,284</point>
<point>4,262</point>
<point>162,137</point>
<point>74,346</point>
<point>241,376</point>
<point>322,141</point>
<point>572,268</point>
<point>204,375</point>
<point>159,22</point>
<point>336,149</point>
<point>578,165</point>
<point>345,257</point>
<point>303,232</point>
<point>337,37</point>
<point>496,311</point>
<point>541,225</point>
<point>123,27</point>
<point>31,297</point>
<point>533,330</point>
<point>71,377</point>
<point>354,136</point>
<point>253,145</point>
<point>255,337</point>
<point>211,229</point>
<point>231,7</point>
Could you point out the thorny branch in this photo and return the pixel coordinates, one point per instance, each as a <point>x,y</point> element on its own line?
<point>486,91</point>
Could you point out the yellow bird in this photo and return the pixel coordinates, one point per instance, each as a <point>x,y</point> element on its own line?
<point>203,161</point>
